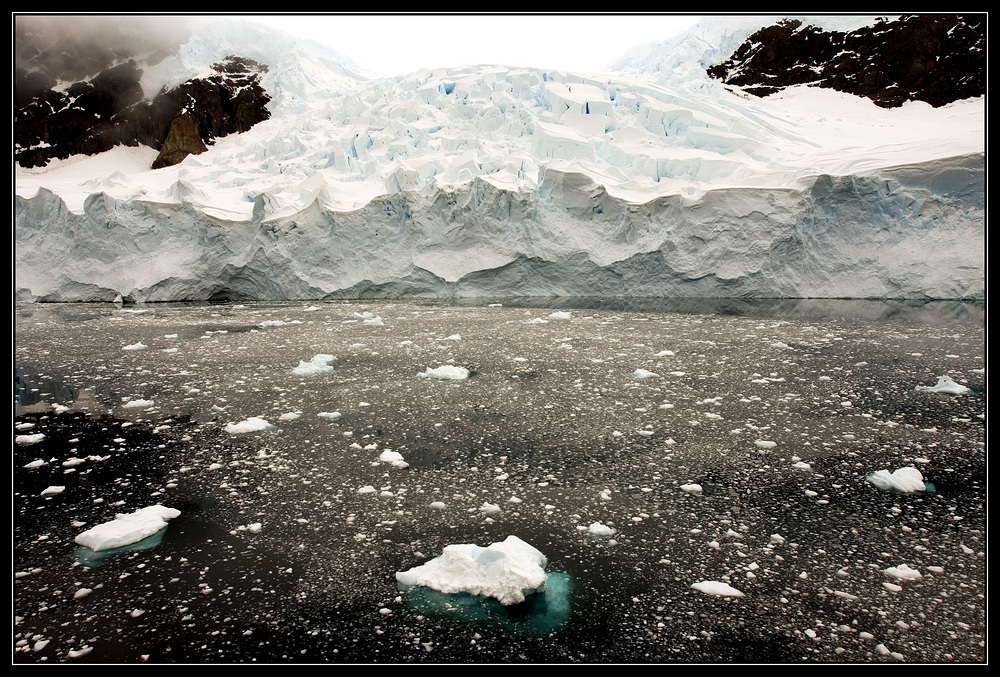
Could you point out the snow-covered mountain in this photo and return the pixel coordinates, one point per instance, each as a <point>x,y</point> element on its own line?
<point>493,181</point>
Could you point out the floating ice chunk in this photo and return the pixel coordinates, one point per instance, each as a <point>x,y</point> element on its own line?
<point>34,464</point>
<point>508,571</point>
<point>447,372</point>
<point>319,364</point>
<point>903,480</point>
<point>127,529</point>
<point>598,529</point>
<point>289,416</point>
<point>944,385</point>
<point>766,444</point>
<point>277,323</point>
<point>53,490</point>
<point>374,321</point>
<point>903,573</point>
<point>643,374</point>
<point>694,489</point>
<point>717,588</point>
<point>138,404</point>
<point>250,425</point>
<point>665,353</point>
<point>135,346</point>
<point>560,315</point>
<point>367,489</point>
<point>438,505</point>
<point>394,458</point>
<point>25,440</point>
<point>330,415</point>
<point>536,320</point>
<point>489,508</point>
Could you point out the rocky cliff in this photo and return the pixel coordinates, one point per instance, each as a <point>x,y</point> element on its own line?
<point>932,58</point>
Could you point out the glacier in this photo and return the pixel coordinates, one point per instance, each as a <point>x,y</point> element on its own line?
<point>488,181</point>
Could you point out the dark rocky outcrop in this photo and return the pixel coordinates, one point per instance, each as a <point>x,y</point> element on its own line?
<point>104,107</point>
<point>932,58</point>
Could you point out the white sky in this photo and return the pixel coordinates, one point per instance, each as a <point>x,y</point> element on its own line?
<point>391,44</point>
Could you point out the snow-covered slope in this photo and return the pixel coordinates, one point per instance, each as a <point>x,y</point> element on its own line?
<point>497,181</point>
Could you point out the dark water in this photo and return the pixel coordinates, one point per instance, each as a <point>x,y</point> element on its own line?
<point>551,416</point>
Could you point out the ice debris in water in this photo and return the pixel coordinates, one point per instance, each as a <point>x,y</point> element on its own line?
<point>509,571</point>
<point>447,372</point>
<point>717,588</point>
<point>250,425</point>
<point>692,489</point>
<point>643,374</point>
<point>944,385</point>
<point>903,572</point>
<point>135,346</point>
<point>25,440</point>
<point>319,364</point>
<point>598,529</point>
<point>903,480</point>
<point>127,529</point>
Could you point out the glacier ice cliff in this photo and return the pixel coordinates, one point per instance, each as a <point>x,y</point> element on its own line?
<point>487,181</point>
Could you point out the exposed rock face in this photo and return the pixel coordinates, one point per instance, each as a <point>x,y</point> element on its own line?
<point>104,107</point>
<point>932,58</point>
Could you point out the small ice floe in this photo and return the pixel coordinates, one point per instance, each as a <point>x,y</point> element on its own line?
<point>37,463</point>
<point>904,480</point>
<point>289,416</point>
<point>560,315</point>
<point>127,529</point>
<point>903,572</point>
<point>367,489</point>
<point>782,345</point>
<point>693,489</point>
<point>598,529</point>
<point>374,321</point>
<point>330,415</point>
<point>138,404</point>
<point>447,372</point>
<point>508,571</point>
<point>665,353</point>
<point>765,444</point>
<point>277,323</point>
<point>536,320</point>
<point>944,385</point>
<point>135,346</point>
<point>26,440</point>
<point>717,588</point>
<point>394,458</point>
<point>643,374</point>
<point>438,505</point>
<point>250,425</point>
<point>319,364</point>
<point>489,508</point>
<point>49,491</point>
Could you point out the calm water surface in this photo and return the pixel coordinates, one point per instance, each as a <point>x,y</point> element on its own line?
<point>778,411</point>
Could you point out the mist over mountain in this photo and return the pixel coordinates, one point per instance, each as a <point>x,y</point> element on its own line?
<point>160,161</point>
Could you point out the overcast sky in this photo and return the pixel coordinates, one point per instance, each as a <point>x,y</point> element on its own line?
<point>392,44</point>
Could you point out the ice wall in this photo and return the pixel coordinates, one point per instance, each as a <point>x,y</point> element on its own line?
<point>906,232</point>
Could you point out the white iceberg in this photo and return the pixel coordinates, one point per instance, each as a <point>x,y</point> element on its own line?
<point>508,571</point>
<point>717,588</point>
<point>319,364</point>
<point>127,529</point>
<point>250,425</point>
<point>903,480</point>
<point>944,385</point>
<point>447,372</point>
<point>25,440</point>
<point>903,573</point>
<point>643,374</point>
